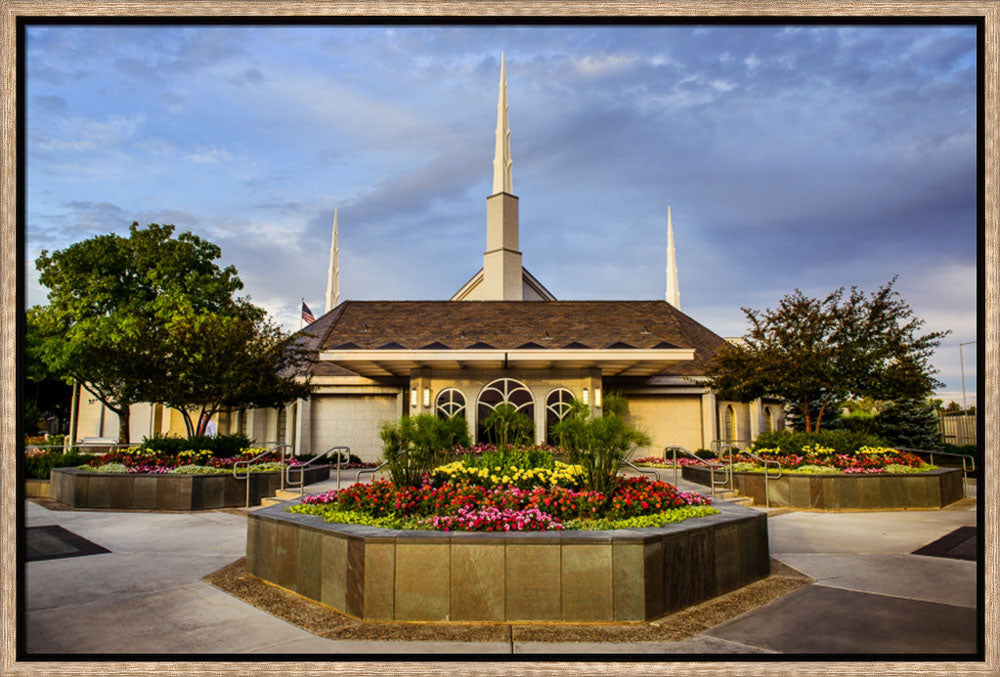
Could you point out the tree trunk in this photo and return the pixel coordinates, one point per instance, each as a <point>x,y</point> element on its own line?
<point>188,423</point>
<point>805,414</point>
<point>819,416</point>
<point>123,424</point>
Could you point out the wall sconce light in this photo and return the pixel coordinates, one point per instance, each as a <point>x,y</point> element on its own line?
<point>597,397</point>
<point>413,398</point>
<point>586,396</point>
<point>427,397</point>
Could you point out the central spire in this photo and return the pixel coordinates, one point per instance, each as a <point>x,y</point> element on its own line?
<point>503,180</point>
<point>333,274</point>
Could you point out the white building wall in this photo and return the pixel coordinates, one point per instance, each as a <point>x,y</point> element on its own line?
<point>351,420</point>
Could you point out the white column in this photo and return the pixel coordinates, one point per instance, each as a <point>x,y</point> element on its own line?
<point>755,411</point>
<point>303,426</point>
<point>709,420</point>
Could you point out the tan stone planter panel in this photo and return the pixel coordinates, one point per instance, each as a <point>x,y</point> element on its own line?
<point>84,489</point>
<point>36,488</point>
<point>605,576</point>
<point>931,489</point>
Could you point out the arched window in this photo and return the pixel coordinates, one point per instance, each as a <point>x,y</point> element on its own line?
<point>768,420</point>
<point>730,424</point>
<point>503,391</point>
<point>556,407</point>
<point>450,403</point>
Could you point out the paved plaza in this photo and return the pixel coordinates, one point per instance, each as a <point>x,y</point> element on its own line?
<point>145,594</point>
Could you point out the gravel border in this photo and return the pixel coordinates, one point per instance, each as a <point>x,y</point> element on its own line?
<point>324,621</point>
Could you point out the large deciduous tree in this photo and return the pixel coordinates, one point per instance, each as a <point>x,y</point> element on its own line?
<point>134,318</point>
<point>232,360</point>
<point>813,352</point>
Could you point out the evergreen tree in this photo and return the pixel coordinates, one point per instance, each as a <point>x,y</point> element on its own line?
<point>909,423</point>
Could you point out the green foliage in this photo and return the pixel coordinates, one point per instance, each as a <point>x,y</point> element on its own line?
<point>337,516</point>
<point>817,353</point>
<point>909,423</point>
<point>153,318</point>
<point>706,454</point>
<point>505,425</point>
<point>414,445</point>
<point>38,466</point>
<point>599,445</point>
<point>505,457</point>
<point>841,441</point>
<point>221,446</point>
<point>642,521</point>
<point>107,467</point>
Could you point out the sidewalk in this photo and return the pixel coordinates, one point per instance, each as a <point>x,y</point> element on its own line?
<point>871,594</point>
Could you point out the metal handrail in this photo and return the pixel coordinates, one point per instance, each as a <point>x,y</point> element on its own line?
<point>652,471</point>
<point>301,468</point>
<point>965,469</point>
<point>357,477</point>
<point>248,462</point>
<point>711,466</point>
<point>764,462</point>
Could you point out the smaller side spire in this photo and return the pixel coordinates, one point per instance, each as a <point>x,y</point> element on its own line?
<point>333,274</point>
<point>673,289</point>
<point>503,180</point>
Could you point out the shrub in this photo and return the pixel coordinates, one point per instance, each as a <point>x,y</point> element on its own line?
<point>38,466</point>
<point>599,445</point>
<point>414,445</point>
<point>221,446</point>
<point>841,441</point>
<point>505,425</point>
<point>706,454</point>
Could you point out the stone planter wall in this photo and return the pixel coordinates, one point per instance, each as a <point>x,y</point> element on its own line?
<point>931,489</point>
<point>606,576</point>
<point>83,489</point>
<point>34,488</point>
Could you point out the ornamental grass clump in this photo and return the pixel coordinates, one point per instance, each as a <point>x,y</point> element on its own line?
<point>414,445</point>
<point>599,444</point>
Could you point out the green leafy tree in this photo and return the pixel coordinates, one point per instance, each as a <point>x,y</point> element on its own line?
<point>815,353</point>
<point>227,360</point>
<point>150,318</point>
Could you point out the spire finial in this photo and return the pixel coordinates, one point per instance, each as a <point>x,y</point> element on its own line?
<point>503,180</point>
<point>673,289</point>
<point>333,274</point>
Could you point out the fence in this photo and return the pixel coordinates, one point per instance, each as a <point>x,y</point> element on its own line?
<point>957,428</point>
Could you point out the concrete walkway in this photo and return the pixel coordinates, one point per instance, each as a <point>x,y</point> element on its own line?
<point>145,595</point>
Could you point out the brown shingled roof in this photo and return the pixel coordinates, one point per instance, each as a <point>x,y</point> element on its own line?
<point>510,324</point>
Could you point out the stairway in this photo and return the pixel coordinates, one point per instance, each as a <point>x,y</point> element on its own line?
<point>280,496</point>
<point>733,497</point>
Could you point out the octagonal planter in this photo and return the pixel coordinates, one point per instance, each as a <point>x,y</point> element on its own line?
<point>84,489</point>
<point>876,491</point>
<point>574,576</point>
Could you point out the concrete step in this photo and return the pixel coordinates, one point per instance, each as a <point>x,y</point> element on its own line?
<point>286,494</point>
<point>270,500</point>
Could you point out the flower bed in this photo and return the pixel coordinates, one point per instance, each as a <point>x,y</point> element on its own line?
<point>505,490</point>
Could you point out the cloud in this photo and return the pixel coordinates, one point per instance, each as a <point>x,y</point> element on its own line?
<point>211,154</point>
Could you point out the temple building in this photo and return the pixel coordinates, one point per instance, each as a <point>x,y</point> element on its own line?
<point>501,338</point>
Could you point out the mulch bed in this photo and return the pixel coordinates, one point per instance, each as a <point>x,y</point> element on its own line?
<point>323,621</point>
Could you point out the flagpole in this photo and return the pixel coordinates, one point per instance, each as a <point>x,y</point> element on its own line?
<point>302,301</point>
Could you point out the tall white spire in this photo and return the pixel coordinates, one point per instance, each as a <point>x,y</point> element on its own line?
<point>333,274</point>
<point>503,180</point>
<point>673,289</point>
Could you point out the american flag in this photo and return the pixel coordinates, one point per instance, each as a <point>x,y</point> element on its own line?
<point>307,315</point>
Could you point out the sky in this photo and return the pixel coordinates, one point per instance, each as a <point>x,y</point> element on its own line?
<point>809,157</point>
